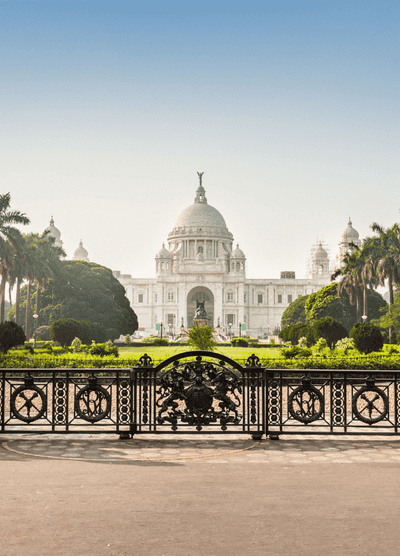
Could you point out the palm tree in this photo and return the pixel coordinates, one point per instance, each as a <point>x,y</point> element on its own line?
<point>350,282</point>
<point>48,257</point>
<point>387,258</point>
<point>42,259</point>
<point>10,242</point>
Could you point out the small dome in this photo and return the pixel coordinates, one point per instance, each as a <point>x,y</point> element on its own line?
<point>350,234</point>
<point>80,254</point>
<point>237,253</point>
<point>320,253</point>
<point>163,253</point>
<point>55,233</point>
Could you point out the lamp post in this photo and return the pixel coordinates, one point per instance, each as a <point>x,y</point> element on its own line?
<point>240,329</point>
<point>35,316</point>
<point>161,329</point>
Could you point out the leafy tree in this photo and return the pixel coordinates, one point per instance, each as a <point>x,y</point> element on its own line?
<point>202,338</point>
<point>329,329</point>
<point>367,337</point>
<point>86,292</point>
<point>293,332</point>
<point>326,302</point>
<point>390,319</point>
<point>295,312</point>
<point>11,334</point>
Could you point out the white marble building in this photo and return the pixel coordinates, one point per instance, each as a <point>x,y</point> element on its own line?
<point>202,263</point>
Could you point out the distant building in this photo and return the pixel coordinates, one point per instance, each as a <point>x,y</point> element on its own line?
<point>202,264</point>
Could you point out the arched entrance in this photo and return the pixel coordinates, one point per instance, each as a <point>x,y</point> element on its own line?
<point>200,293</point>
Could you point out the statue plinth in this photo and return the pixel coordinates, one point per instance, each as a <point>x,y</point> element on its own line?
<point>200,322</point>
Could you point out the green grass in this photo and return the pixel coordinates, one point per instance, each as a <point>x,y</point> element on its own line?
<point>163,352</point>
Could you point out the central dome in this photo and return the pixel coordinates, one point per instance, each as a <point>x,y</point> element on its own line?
<point>201,214</point>
<point>200,221</point>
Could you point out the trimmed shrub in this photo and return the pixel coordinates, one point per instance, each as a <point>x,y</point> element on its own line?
<point>65,330</point>
<point>103,349</point>
<point>11,334</point>
<point>239,342</point>
<point>330,329</point>
<point>76,345</point>
<point>367,337</point>
<point>43,333</point>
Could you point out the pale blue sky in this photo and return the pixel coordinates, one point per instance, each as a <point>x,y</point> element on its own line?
<point>108,110</point>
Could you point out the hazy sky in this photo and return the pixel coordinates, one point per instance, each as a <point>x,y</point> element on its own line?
<point>108,110</point>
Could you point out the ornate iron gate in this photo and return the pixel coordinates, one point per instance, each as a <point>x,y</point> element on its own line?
<point>200,392</point>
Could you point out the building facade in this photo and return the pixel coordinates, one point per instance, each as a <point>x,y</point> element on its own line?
<point>201,263</point>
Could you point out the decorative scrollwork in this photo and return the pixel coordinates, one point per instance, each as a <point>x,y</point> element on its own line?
<point>92,403</point>
<point>28,403</point>
<point>306,403</point>
<point>370,404</point>
<point>145,361</point>
<point>183,395</point>
<point>337,407</point>
<point>253,361</point>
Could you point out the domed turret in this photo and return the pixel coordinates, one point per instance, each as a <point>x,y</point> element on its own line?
<point>237,253</point>
<point>349,236</point>
<point>55,233</point>
<point>80,254</point>
<point>320,262</point>
<point>163,253</point>
<point>163,261</point>
<point>238,260</point>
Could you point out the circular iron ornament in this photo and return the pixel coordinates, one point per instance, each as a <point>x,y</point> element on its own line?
<point>199,399</point>
<point>92,403</point>
<point>309,402</point>
<point>27,403</point>
<point>371,404</point>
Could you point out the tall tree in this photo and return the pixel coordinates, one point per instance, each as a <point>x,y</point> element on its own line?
<point>11,242</point>
<point>387,258</point>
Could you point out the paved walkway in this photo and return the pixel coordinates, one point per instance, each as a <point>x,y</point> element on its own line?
<point>79,495</point>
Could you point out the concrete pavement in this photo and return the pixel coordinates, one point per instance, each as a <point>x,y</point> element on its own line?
<point>78,495</point>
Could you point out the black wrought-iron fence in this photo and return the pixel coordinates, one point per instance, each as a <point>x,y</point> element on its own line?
<point>197,392</point>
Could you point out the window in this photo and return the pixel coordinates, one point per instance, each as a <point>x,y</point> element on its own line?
<point>279,298</point>
<point>140,298</point>
<point>259,298</point>
<point>170,320</point>
<point>170,296</point>
<point>229,296</point>
<point>289,298</point>
<point>245,298</point>
<point>237,266</point>
<point>230,319</point>
<point>200,249</point>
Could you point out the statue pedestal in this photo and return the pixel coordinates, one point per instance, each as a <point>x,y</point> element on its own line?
<point>200,322</point>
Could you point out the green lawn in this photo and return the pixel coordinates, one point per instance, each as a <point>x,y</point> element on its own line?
<point>163,352</point>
